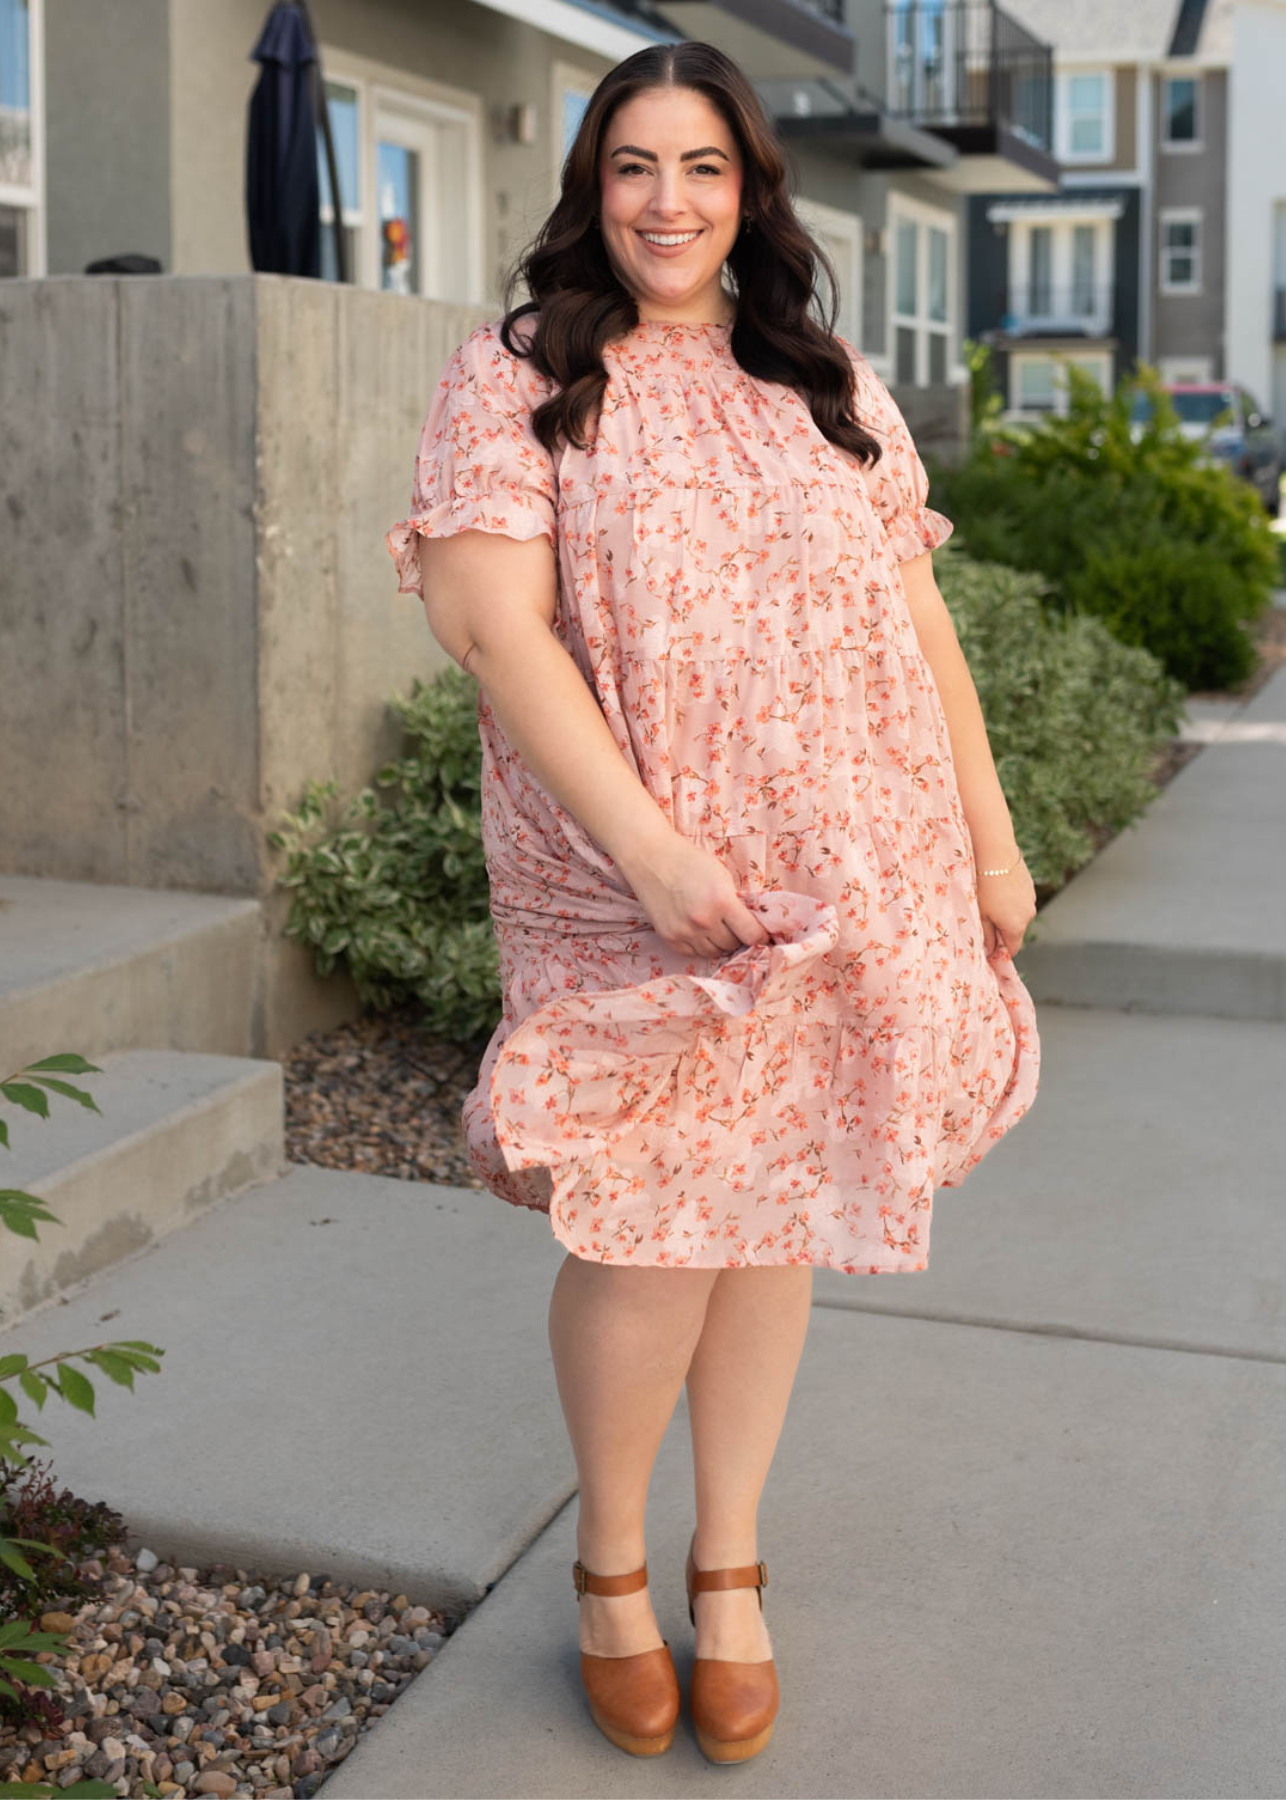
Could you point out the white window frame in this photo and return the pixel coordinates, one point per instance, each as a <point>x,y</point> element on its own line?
<point>1062,225</point>
<point>1180,215</point>
<point>922,216</point>
<point>458,116</point>
<point>1180,370</point>
<point>842,238</point>
<point>564,78</point>
<point>1063,116</point>
<point>1019,359</point>
<point>31,197</point>
<point>1183,145</point>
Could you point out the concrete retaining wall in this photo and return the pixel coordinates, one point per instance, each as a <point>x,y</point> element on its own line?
<point>198,614</point>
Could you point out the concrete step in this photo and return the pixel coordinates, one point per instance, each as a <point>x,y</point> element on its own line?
<point>1185,910</point>
<point>356,1381</point>
<point>93,967</point>
<point>177,1131</point>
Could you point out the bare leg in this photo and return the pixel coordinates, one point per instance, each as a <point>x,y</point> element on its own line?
<point>739,1382</point>
<point>622,1339</point>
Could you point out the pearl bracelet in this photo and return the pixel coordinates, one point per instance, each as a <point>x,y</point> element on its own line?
<point>1012,866</point>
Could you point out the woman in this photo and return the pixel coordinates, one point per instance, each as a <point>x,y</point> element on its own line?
<point>753,879</point>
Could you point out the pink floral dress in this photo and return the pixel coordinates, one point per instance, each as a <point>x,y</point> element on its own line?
<point>729,589</point>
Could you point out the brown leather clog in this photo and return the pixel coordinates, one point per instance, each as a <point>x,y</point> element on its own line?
<point>634,1700</point>
<point>734,1704</point>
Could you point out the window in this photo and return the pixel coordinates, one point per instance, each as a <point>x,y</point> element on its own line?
<point>342,105</point>
<point>923,291</point>
<point>1040,271</point>
<point>1038,383</point>
<point>1060,265</point>
<point>1084,270</point>
<point>1180,250</point>
<point>408,165</point>
<point>840,236</point>
<point>921,48</point>
<point>1086,123</point>
<point>1188,371</point>
<point>572,88</point>
<point>1180,108</point>
<point>21,139</point>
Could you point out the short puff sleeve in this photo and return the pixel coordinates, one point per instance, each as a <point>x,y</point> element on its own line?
<point>479,466</point>
<point>898,483</point>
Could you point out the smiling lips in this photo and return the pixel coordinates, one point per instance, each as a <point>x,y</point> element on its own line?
<point>669,243</point>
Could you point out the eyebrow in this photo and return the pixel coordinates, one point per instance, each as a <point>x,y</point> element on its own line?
<point>650,155</point>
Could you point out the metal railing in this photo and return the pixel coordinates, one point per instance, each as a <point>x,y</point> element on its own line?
<point>968,62</point>
<point>1041,306</point>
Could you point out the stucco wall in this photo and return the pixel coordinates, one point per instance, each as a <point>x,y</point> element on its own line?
<point>107,97</point>
<point>467,54</point>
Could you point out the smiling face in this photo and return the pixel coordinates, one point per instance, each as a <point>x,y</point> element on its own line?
<point>670,203</point>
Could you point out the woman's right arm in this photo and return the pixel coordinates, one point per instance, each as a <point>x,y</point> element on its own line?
<point>490,601</point>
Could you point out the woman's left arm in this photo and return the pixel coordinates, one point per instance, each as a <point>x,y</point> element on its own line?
<point>1007,903</point>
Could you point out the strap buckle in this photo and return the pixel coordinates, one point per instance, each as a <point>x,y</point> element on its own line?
<point>763,1574</point>
<point>579,1572</point>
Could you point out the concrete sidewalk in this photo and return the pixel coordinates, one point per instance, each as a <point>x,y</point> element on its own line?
<point>1185,910</point>
<point>1024,1524</point>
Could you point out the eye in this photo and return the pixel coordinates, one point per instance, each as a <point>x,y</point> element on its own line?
<point>711,168</point>
<point>627,168</point>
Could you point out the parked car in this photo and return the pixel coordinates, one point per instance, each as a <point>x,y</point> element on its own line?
<point>1233,429</point>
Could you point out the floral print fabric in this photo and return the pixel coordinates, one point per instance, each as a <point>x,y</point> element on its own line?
<point>729,589</point>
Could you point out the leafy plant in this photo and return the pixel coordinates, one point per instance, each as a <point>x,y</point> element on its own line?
<point>986,403</point>
<point>1126,522</point>
<point>75,1526</point>
<point>399,890</point>
<point>1074,717</point>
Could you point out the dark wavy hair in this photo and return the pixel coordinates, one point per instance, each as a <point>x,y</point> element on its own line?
<point>583,304</point>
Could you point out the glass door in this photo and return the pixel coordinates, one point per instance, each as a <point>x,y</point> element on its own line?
<point>406,179</point>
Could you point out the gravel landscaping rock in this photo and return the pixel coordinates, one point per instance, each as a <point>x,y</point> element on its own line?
<point>209,1682</point>
<point>381,1095</point>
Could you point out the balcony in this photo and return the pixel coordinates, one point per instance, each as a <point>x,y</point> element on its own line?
<point>967,71</point>
<point>768,37</point>
<point>1038,309</point>
<point>850,123</point>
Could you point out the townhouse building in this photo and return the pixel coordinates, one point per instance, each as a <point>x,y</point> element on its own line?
<point>1159,244</point>
<point>125,131</point>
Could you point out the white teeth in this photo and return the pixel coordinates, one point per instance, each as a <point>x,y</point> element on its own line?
<point>677,237</point>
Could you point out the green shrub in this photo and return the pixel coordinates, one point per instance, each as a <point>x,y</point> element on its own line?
<point>400,889</point>
<point>1074,717</point>
<point>1173,554</point>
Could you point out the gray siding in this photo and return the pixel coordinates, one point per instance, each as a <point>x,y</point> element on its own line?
<point>1194,324</point>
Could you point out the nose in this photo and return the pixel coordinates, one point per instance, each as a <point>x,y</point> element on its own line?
<point>668,199</point>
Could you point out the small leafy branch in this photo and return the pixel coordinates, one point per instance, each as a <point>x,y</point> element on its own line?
<point>118,1359</point>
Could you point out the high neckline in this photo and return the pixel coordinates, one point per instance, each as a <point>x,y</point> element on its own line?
<point>647,327</point>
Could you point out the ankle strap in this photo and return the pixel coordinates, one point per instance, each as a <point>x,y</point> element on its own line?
<point>607,1584</point>
<point>705,1581</point>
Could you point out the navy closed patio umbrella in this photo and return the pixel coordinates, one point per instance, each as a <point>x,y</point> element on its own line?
<point>287,106</point>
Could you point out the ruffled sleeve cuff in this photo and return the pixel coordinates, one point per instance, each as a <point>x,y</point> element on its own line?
<point>914,533</point>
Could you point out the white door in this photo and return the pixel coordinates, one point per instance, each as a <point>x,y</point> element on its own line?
<point>427,199</point>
